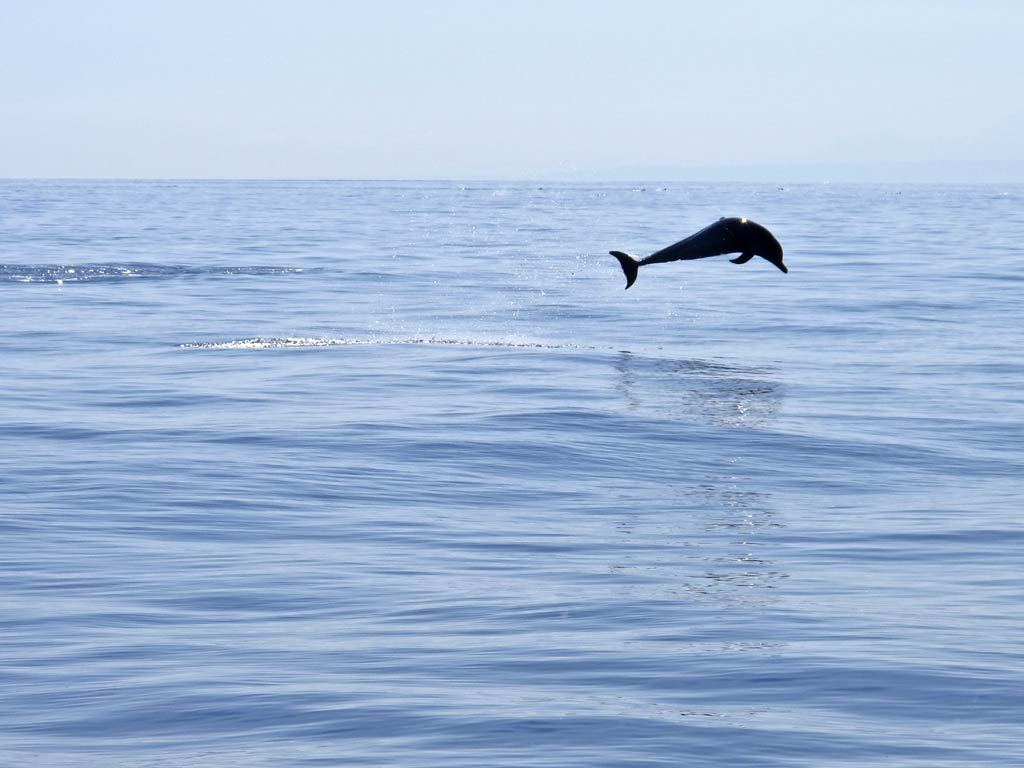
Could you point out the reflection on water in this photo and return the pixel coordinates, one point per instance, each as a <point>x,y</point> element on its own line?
<point>712,542</point>
<point>723,395</point>
<point>696,534</point>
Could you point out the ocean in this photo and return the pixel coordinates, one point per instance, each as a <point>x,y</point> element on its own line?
<point>325,473</point>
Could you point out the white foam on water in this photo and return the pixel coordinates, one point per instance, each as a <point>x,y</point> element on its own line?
<point>278,343</point>
<point>85,273</point>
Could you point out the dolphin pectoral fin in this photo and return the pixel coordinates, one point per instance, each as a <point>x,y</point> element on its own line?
<point>630,266</point>
<point>743,258</point>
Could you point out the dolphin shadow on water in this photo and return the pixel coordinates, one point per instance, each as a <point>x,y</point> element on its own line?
<point>734,235</point>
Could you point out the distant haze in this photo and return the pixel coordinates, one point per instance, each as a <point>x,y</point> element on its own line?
<point>317,89</point>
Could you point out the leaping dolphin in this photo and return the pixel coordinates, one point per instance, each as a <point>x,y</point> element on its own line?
<point>741,236</point>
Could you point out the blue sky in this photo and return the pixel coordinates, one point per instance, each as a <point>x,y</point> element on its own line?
<point>389,89</point>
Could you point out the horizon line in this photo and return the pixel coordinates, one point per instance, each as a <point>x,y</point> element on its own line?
<point>583,179</point>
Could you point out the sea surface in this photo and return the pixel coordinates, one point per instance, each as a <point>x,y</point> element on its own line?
<point>397,474</point>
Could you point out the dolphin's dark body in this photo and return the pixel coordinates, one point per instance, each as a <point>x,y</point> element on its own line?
<point>740,236</point>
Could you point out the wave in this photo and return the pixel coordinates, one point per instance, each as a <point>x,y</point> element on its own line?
<point>113,272</point>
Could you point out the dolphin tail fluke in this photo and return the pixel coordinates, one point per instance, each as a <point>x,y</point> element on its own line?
<point>629,265</point>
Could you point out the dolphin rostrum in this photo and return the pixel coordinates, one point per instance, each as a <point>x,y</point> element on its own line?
<point>724,236</point>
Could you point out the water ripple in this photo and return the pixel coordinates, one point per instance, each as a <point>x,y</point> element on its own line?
<point>781,530</point>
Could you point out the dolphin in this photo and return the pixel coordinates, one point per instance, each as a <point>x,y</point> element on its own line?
<point>734,235</point>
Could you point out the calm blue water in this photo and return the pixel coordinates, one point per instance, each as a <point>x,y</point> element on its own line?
<point>363,474</point>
